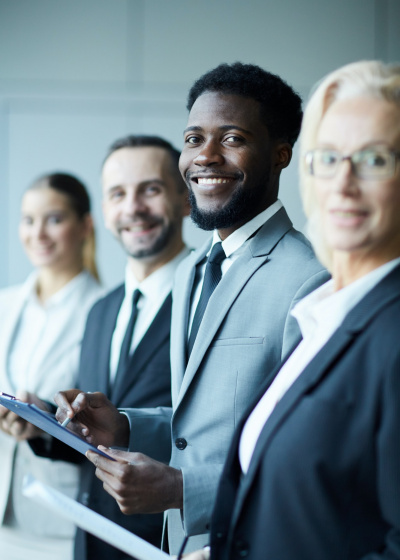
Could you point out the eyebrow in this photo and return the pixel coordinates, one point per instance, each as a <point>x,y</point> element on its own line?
<point>141,184</point>
<point>223,127</point>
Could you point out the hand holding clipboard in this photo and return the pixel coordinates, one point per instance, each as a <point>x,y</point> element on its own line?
<point>47,422</point>
<point>14,425</point>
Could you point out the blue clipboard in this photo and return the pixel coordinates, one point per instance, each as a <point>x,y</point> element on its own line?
<point>47,422</point>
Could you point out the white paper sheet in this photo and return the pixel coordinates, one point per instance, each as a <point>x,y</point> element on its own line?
<point>91,521</point>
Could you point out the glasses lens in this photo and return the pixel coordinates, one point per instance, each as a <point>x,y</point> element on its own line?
<point>376,163</point>
<point>325,163</point>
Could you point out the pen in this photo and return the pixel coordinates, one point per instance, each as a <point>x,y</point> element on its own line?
<point>66,422</point>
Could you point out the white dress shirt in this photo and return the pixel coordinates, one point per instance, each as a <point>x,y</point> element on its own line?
<point>50,329</point>
<point>39,352</point>
<point>154,289</point>
<point>319,315</point>
<point>233,247</point>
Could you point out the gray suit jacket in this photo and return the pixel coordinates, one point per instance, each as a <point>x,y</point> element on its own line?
<point>245,331</point>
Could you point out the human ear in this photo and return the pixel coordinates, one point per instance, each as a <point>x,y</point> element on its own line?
<point>283,155</point>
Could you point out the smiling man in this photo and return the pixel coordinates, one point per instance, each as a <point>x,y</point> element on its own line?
<point>125,349</point>
<point>231,322</point>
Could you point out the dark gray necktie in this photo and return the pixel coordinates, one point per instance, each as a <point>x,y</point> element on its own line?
<point>126,343</point>
<point>212,276</point>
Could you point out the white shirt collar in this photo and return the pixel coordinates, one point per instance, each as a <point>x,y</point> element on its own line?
<point>61,295</point>
<point>158,283</point>
<point>325,309</point>
<point>242,234</point>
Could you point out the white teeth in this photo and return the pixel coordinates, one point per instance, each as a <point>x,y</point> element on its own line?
<point>136,229</point>
<point>212,181</point>
<point>348,214</point>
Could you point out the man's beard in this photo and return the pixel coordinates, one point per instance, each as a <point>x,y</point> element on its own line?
<point>241,208</point>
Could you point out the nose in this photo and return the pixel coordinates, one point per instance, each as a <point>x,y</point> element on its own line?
<point>134,204</point>
<point>39,229</point>
<point>209,154</point>
<point>346,181</point>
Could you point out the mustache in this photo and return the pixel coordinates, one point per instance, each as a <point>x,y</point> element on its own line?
<point>139,219</point>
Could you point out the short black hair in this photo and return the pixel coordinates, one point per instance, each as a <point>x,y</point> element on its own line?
<point>281,110</point>
<point>144,141</point>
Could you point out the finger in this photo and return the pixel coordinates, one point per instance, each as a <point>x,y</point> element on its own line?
<point>101,462</point>
<point>94,400</point>
<point>64,409</point>
<point>3,411</point>
<point>119,455</point>
<point>17,427</point>
<point>11,417</point>
<point>22,396</point>
<point>124,505</point>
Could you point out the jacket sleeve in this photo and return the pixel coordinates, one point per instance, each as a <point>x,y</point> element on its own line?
<point>388,462</point>
<point>150,431</point>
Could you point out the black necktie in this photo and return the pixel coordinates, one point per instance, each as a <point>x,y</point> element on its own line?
<point>126,343</point>
<point>212,276</point>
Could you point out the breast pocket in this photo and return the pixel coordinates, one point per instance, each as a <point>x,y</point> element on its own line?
<point>239,341</point>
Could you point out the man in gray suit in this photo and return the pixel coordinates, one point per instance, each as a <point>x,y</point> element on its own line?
<point>230,321</point>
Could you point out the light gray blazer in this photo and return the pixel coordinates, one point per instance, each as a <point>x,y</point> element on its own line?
<point>245,331</point>
<point>56,365</point>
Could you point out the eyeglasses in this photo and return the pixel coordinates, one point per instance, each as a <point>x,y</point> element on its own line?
<point>370,163</point>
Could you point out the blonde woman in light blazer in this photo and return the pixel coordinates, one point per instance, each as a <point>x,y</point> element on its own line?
<point>41,326</point>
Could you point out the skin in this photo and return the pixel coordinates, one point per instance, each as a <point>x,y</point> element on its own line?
<point>138,483</point>
<point>52,236</point>
<point>144,202</point>
<point>228,149</point>
<point>225,140</point>
<point>360,217</point>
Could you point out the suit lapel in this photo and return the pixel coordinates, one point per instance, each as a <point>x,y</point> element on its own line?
<point>156,335</point>
<point>181,312</point>
<point>12,323</point>
<point>232,283</point>
<point>357,321</point>
<point>103,343</point>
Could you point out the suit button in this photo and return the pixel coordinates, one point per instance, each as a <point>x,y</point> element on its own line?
<point>180,443</point>
<point>242,548</point>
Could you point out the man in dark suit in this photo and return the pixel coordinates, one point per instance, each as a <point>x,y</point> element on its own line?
<point>144,202</point>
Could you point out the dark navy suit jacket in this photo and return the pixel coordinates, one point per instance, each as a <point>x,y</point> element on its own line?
<point>324,479</point>
<point>146,383</point>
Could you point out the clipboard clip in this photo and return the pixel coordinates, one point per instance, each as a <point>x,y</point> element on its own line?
<point>8,396</point>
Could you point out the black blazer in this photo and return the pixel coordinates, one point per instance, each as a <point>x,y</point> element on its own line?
<point>146,383</point>
<point>324,480</point>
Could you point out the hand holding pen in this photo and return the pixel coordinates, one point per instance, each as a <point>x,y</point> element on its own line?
<point>92,416</point>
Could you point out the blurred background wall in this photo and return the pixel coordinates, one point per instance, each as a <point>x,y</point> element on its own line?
<point>77,74</point>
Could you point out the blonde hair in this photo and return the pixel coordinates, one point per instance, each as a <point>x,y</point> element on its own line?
<point>89,255</point>
<point>366,78</point>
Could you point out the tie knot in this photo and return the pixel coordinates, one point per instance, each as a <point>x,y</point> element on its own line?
<point>217,254</point>
<point>135,297</point>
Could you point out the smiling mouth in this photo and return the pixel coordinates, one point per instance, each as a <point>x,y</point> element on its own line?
<point>213,180</point>
<point>348,213</point>
<point>139,228</point>
<point>43,248</point>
